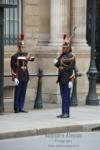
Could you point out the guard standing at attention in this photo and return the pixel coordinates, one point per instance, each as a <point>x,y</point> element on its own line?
<point>20,75</point>
<point>66,65</point>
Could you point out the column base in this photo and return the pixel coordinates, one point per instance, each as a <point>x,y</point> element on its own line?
<point>81,48</point>
<point>93,102</point>
<point>56,42</point>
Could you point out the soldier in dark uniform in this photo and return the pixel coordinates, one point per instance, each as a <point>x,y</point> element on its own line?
<point>65,64</point>
<point>20,76</point>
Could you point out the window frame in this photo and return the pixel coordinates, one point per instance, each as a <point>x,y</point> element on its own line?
<point>13,22</point>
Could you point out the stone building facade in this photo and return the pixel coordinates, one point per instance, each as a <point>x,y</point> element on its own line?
<point>44,22</point>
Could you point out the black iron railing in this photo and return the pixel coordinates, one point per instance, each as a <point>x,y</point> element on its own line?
<point>38,101</point>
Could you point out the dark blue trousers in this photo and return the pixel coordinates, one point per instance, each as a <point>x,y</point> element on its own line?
<point>19,95</point>
<point>65,95</point>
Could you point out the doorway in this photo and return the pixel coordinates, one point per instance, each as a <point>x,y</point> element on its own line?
<point>88,34</point>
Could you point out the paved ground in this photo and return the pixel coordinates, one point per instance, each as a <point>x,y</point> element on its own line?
<point>44,121</point>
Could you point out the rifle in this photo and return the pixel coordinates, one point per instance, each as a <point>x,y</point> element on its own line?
<point>70,38</point>
<point>72,33</point>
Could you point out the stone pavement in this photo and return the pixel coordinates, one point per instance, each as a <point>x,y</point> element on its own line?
<point>44,121</point>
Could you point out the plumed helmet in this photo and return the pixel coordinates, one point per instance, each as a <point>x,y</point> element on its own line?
<point>65,45</point>
<point>20,43</point>
<point>65,39</point>
<point>21,40</point>
<point>64,36</point>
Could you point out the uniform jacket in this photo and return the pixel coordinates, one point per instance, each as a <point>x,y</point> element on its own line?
<point>66,66</point>
<point>17,69</point>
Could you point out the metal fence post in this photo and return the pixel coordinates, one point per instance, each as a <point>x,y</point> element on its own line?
<point>74,101</point>
<point>38,101</point>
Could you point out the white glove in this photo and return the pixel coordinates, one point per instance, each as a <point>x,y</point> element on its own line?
<point>55,61</point>
<point>70,84</point>
<point>16,81</point>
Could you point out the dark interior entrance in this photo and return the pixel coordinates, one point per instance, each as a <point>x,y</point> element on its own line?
<point>88,35</point>
<point>1,57</point>
<point>3,4</point>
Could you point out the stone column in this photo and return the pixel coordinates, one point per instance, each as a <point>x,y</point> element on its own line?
<point>66,18</point>
<point>78,18</point>
<point>56,21</point>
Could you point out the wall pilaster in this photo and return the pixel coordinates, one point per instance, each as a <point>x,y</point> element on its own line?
<point>78,19</point>
<point>56,20</point>
<point>81,48</point>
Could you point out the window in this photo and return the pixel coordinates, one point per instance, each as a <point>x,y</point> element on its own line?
<point>12,22</point>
